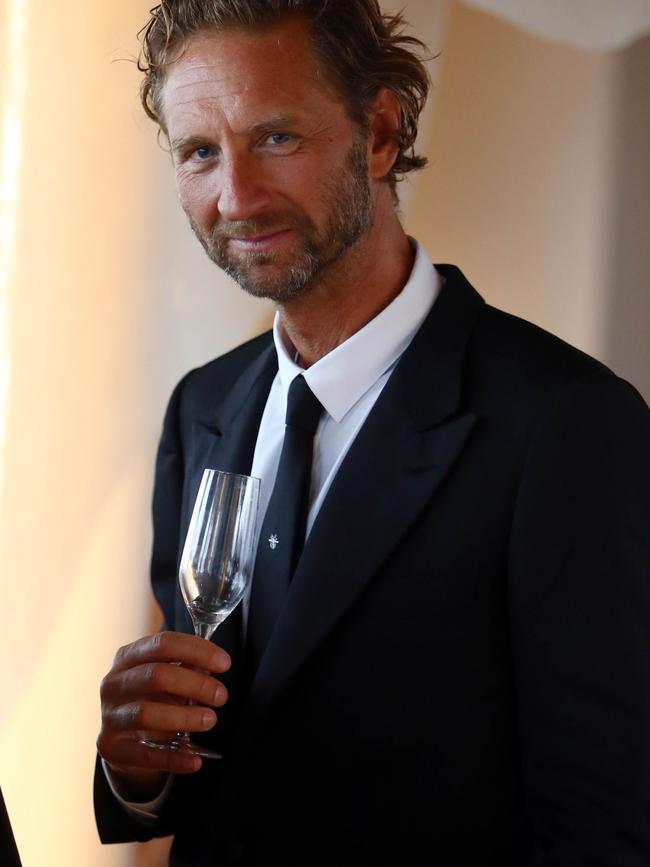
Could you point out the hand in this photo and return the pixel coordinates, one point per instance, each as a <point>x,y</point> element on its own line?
<point>144,695</point>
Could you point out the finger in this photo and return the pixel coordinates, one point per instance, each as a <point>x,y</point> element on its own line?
<point>153,716</point>
<point>176,647</point>
<point>159,680</point>
<point>130,755</point>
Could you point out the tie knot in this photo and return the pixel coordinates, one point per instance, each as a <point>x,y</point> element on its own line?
<point>303,407</point>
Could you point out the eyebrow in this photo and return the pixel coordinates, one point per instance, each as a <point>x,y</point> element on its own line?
<point>183,142</point>
<point>279,121</point>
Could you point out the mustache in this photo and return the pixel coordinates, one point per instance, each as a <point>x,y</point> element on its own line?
<point>266,224</point>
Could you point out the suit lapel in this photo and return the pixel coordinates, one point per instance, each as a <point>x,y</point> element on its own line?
<point>223,438</point>
<point>404,451</point>
<point>226,440</point>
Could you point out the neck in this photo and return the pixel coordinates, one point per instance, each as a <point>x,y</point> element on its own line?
<point>352,292</point>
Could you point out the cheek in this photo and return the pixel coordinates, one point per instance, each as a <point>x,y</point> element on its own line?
<point>198,199</point>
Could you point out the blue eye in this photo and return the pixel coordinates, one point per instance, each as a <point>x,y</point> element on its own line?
<point>203,153</point>
<point>279,138</point>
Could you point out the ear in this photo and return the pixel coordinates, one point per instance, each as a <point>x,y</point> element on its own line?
<point>384,121</point>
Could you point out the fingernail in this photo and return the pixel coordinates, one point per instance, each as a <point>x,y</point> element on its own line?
<point>221,661</point>
<point>209,718</point>
<point>219,696</point>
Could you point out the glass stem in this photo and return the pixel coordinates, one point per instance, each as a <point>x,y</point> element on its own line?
<point>203,630</point>
<point>183,738</point>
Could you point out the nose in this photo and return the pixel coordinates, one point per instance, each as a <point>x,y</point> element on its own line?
<point>243,194</point>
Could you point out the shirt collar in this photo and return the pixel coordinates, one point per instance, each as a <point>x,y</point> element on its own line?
<point>343,376</point>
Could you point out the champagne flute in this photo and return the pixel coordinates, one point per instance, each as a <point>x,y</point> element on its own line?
<point>216,565</point>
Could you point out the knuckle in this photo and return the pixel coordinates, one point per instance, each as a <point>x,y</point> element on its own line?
<point>162,643</point>
<point>107,686</point>
<point>139,716</point>
<point>120,654</point>
<point>128,719</point>
<point>103,743</point>
<point>155,676</point>
<point>146,717</point>
<point>108,712</point>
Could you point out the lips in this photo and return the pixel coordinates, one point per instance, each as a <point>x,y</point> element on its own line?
<point>257,242</point>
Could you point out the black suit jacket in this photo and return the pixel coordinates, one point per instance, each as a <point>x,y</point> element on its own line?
<point>460,676</point>
<point>8,852</point>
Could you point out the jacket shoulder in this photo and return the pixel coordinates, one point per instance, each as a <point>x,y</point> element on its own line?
<point>213,380</point>
<point>524,361</point>
<point>229,366</point>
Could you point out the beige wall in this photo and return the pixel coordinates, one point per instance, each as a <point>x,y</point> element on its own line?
<point>627,305</point>
<point>538,183</point>
<point>519,173</point>
<point>89,338</point>
<point>107,299</point>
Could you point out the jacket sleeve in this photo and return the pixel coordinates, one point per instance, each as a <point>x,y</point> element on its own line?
<point>580,620</point>
<point>114,823</point>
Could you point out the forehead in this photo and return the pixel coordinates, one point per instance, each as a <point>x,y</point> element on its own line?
<point>242,71</point>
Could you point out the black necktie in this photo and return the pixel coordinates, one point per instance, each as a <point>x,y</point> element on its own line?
<point>283,531</point>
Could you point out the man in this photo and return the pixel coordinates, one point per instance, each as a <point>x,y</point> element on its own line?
<point>458,672</point>
<point>9,856</point>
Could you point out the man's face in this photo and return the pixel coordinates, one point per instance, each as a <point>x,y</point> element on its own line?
<point>271,171</point>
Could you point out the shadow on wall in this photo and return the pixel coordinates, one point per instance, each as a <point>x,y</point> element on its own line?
<point>627,341</point>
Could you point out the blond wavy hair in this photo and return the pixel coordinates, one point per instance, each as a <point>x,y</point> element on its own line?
<point>362,50</point>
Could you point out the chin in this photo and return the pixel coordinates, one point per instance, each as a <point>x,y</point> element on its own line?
<point>279,291</point>
<point>273,283</point>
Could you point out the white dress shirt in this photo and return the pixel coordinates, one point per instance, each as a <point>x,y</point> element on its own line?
<point>347,381</point>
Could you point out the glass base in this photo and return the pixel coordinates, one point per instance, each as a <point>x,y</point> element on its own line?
<point>182,744</point>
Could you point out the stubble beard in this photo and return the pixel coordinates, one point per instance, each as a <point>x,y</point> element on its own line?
<point>347,203</point>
